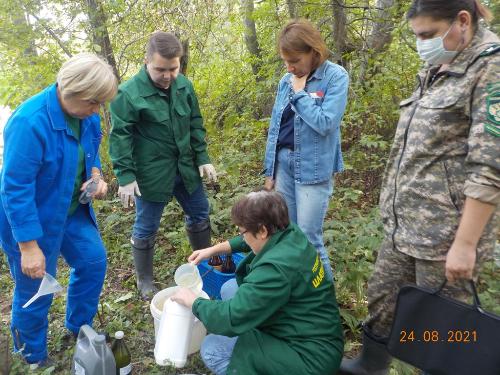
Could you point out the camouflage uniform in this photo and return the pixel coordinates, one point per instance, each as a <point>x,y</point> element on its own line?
<point>446,148</point>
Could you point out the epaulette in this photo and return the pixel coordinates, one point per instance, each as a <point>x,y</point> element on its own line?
<point>491,50</point>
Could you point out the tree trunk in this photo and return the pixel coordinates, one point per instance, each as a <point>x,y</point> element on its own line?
<point>388,13</point>
<point>100,35</point>
<point>251,41</point>
<point>5,355</point>
<point>380,36</point>
<point>185,56</point>
<point>339,29</point>
<point>292,8</point>
<point>22,21</point>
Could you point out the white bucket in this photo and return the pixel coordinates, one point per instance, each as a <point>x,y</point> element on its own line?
<point>156,307</point>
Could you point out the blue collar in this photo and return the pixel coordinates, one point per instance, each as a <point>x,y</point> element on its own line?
<point>54,109</point>
<point>319,73</point>
<point>56,113</point>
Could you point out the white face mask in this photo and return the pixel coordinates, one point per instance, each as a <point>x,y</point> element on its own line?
<point>433,51</point>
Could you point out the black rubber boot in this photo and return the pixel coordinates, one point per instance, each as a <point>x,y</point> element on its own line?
<point>373,360</point>
<point>143,251</point>
<point>199,235</point>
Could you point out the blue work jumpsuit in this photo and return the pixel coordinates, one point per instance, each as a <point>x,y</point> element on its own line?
<point>37,180</point>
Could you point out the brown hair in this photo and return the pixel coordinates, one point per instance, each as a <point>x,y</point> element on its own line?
<point>448,10</point>
<point>165,44</point>
<point>301,36</point>
<point>261,208</point>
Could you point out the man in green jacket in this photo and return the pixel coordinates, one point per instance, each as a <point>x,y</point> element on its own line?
<point>158,150</point>
<point>283,318</point>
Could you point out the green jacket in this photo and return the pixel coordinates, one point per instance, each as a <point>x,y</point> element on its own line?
<point>154,136</point>
<point>284,313</point>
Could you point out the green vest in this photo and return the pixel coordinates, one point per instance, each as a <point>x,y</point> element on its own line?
<point>155,136</point>
<point>284,313</point>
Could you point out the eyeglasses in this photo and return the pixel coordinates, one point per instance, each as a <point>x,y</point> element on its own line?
<point>93,102</point>
<point>242,233</point>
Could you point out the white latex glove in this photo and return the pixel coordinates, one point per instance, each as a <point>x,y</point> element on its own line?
<point>127,194</point>
<point>209,171</point>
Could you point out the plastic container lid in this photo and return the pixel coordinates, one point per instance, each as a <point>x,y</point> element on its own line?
<point>119,335</point>
<point>99,340</point>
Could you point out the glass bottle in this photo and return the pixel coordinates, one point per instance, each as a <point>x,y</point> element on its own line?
<point>228,266</point>
<point>216,262</point>
<point>122,355</point>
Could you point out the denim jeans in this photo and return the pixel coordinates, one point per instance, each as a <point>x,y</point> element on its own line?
<point>216,350</point>
<point>84,252</point>
<point>307,204</point>
<point>148,214</point>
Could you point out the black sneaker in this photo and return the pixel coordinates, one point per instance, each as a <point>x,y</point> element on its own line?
<point>69,338</point>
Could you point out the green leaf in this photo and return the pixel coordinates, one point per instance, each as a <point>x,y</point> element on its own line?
<point>126,297</point>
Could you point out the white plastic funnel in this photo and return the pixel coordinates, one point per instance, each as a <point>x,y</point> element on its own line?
<point>49,285</point>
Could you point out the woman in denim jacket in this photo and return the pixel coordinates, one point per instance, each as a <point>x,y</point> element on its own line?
<point>303,144</point>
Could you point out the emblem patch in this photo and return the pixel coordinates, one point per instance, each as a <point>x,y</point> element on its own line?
<point>492,126</point>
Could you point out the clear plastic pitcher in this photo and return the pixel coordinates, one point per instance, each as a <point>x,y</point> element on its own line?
<point>188,276</point>
<point>49,285</point>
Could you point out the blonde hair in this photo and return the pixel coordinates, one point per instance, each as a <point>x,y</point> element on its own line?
<point>301,36</point>
<point>87,77</point>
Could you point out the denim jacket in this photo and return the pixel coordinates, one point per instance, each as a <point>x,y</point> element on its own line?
<point>39,170</point>
<point>318,112</point>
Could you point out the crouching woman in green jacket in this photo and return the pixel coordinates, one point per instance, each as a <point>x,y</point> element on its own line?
<point>283,317</point>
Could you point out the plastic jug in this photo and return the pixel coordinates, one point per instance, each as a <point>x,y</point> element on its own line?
<point>188,276</point>
<point>92,355</point>
<point>49,285</point>
<point>174,335</point>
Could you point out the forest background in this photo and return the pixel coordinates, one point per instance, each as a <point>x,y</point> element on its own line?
<point>232,59</point>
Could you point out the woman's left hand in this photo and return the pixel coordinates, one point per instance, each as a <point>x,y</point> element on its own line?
<point>185,297</point>
<point>102,187</point>
<point>460,261</point>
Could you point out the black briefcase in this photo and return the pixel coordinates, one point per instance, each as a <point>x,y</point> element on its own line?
<point>443,336</point>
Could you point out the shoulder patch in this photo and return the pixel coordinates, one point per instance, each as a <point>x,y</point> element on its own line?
<point>492,129</point>
<point>490,50</point>
<point>492,125</point>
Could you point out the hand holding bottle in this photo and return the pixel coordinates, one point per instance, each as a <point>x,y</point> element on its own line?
<point>95,187</point>
<point>198,255</point>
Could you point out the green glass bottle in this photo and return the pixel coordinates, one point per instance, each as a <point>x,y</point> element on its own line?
<point>122,355</point>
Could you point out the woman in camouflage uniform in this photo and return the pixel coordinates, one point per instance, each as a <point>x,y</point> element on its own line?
<point>442,183</point>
